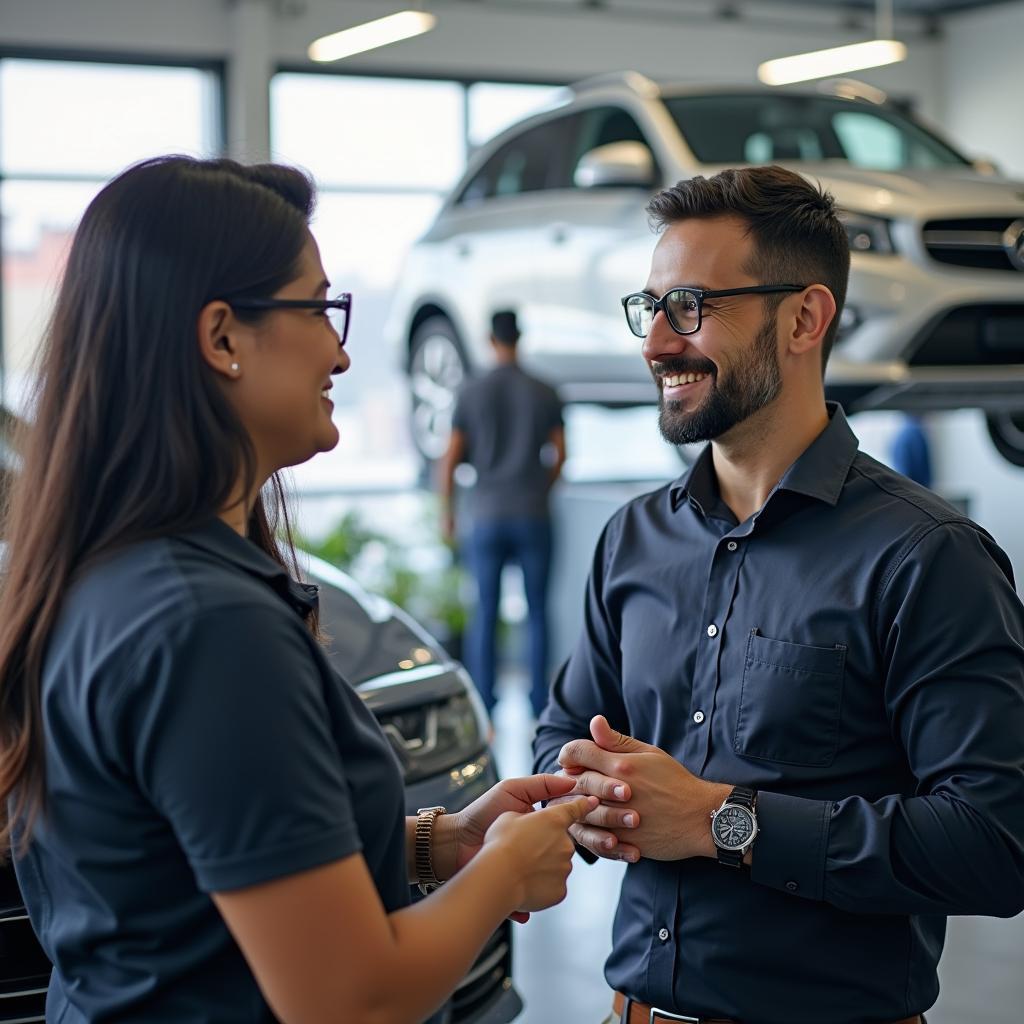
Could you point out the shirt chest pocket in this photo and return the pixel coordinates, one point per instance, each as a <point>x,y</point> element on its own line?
<point>790,702</point>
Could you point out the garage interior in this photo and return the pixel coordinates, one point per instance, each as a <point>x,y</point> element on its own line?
<point>90,86</point>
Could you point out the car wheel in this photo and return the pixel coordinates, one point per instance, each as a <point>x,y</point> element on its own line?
<point>437,368</point>
<point>1007,432</point>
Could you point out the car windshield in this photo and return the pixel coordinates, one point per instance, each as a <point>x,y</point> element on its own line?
<point>758,128</point>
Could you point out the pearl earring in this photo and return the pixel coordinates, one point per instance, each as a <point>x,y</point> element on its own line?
<point>234,367</point>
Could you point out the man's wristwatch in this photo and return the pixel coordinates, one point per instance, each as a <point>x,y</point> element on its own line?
<point>427,880</point>
<point>734,826</point>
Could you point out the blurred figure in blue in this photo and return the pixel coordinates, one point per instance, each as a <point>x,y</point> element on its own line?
<point>910,452</point>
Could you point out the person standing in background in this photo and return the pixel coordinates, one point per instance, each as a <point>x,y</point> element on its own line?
<point>910,453</point>
<point>504,422</point>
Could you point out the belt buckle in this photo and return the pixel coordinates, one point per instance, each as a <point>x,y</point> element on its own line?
<point>656,1015</point>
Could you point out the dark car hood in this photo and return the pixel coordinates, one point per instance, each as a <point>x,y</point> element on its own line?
<point>369,637</point>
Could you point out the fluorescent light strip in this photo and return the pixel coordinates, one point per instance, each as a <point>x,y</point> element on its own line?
<point>836,61</point>
<point>371,34</point>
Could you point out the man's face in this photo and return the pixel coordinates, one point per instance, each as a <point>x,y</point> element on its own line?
<point>711,380</point>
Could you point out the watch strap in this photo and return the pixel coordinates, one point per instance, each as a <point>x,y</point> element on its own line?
<point>743,796</point>
<point>427,880</point>
<point>730,858</point>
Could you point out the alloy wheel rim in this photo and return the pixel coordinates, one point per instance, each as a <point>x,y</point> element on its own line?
<point>436,373</point>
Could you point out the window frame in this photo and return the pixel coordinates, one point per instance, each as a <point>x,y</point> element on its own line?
<point>217,67</point>
<point>463,81</point>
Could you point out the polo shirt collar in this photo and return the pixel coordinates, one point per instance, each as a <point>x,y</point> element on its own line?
<point>224,543</point>
<point>819,472</point>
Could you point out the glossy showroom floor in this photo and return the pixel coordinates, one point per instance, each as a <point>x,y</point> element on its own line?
<point>560,954</point>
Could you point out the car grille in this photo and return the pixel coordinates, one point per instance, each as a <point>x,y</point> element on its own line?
<point>486,979</point>
<point>984,335</point>
<point>978,242</point>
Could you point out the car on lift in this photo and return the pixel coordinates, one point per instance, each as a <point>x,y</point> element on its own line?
<point>549,219</point>
<point>430,712</point>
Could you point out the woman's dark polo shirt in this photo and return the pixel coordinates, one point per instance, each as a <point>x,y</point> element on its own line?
<point>197,741</point>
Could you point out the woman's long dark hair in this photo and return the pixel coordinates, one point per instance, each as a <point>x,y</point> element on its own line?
<point>130,435</point>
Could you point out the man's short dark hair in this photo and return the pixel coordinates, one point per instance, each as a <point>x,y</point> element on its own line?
<point>505,328</point>
<point>798,239</point>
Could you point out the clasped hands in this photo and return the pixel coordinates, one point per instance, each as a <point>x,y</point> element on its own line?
<point>650,805</point>
<point>624,799</point>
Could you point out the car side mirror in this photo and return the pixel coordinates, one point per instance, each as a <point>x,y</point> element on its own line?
<point>618,165</point>
<point>983,165</point>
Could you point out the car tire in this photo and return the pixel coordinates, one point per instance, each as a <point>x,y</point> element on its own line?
<point>437,368</point>
<point>1007,432</point>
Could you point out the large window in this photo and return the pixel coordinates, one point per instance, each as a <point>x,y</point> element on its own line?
<point>65,128</point>
<point>384,153</point>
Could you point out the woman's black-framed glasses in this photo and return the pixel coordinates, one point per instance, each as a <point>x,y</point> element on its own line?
<point>683,305</point>
<point>338,310</point>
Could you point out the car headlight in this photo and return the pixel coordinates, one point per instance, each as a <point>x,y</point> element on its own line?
<point>432,738</point>
<point>866,233</point>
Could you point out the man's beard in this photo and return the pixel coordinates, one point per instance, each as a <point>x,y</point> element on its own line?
<point>747,386</point>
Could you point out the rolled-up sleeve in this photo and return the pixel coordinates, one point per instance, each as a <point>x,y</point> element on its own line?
<point>951,639</point>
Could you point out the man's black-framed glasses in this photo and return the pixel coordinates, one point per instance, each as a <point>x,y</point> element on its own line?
<point>683,305</point>
<point>338,310</point>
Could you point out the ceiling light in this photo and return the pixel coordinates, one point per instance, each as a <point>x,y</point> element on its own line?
<point>839,60</point>
<point>371,34</point>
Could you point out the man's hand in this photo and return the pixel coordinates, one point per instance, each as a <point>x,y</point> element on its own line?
<point>673,804</point>
<point>605,830</point>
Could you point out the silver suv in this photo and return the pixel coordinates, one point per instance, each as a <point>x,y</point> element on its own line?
<point>549,219</point>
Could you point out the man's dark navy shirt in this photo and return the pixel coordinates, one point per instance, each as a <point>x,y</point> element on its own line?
<point>197,741</point>
<point>855,652</point>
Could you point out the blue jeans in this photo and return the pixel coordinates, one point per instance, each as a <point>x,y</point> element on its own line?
<point>491,545</point>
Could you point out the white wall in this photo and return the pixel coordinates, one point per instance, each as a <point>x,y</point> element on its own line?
<point>982,84</point>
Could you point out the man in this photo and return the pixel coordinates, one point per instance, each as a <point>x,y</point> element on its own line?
<point>795,638</point>
<point>503,425</point>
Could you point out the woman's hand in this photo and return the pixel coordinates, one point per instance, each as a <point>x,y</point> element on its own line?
<point>538,852</point>
<point>458,837</point>
<point>467,827</point>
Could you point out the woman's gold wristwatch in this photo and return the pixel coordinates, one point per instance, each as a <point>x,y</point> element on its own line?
<point>427,880</point>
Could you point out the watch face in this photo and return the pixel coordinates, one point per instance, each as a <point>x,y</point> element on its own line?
<point>733,827</point>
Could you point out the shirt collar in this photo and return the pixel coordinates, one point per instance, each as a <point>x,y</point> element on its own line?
<point>220,540</point>
<point>697,484</point>
<point>819,472</point>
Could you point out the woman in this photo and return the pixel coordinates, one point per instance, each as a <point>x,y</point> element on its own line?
<point>207,823</point>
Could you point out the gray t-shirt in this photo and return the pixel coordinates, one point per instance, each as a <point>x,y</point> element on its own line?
<point>507,417</point>
<point>197,740</point>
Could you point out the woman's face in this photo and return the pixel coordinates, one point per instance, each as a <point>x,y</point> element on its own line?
<point>285,370</point>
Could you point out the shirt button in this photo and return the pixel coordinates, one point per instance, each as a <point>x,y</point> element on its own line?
<point>732,545</point>
<point>698,716</point>
<point>792,886</point>
<point>663,935</point>
<point>712,630</point>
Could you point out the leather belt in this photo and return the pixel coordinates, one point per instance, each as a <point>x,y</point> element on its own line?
<point>641,1013</point>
